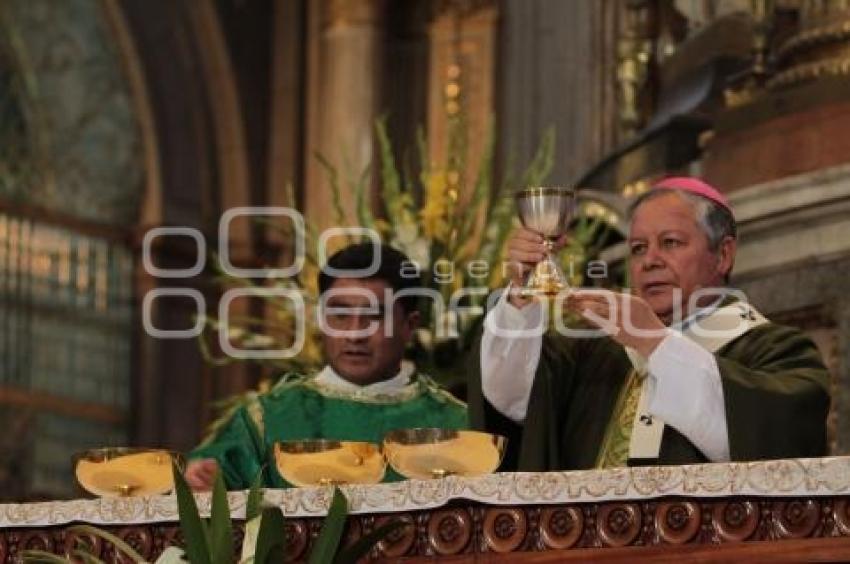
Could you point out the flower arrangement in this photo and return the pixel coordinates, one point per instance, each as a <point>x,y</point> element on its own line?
<point>451,221</point>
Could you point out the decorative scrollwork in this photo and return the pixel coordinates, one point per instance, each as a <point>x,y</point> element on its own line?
<point>400,541</point>
<point>449,531</point>
<point>140,539</point>
<point>841,514</point>
<point>353,532</point>
<point>297,538</point>
<point>36,540</point>
<point>677,521</point>
<point>797,518</point>
<point>504,528</point>
<point>735,520</point>
<point>561,527</point>
<point>618,524</point>
<point>91,543</point>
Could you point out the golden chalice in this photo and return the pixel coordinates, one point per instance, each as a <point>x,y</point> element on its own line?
<point>319,462</point>
<point>125,472</point>
<point>546,210</point>
<point>435,453</point>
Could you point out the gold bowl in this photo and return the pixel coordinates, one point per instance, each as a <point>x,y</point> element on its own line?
<point>125,472</point>
<point>312,462</point>
<point>435,453</point>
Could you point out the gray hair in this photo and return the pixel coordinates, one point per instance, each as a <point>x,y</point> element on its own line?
<point>715,221</point>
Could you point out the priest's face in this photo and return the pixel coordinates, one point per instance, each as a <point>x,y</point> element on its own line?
<point>364,343</point>
<point>670,257</point>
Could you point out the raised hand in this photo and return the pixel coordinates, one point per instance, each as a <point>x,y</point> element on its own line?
<point>525,249</point>
<point>628,319</point>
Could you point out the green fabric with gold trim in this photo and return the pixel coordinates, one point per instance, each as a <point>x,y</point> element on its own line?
<point>775,387</point>
<point>298,407</point>
<point>614,451</point>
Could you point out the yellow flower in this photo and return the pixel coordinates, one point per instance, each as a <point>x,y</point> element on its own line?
<point>433,214</point>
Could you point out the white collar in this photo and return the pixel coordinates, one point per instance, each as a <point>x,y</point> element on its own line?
<point>328,378</point>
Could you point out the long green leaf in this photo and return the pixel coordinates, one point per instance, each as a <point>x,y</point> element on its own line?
<point>221,527</point>
<point>333,181</point>
<point>255,497</point>
<point>328,541</point>
<point>483,187</point>
<point>544,159</point>
<point>119,544</point>
<point>271,539</point>
<point>42,557</point>
<point>364,210</point>
<point>365,543</point>
<point>390,178</point>
<point>194,530</point>
<point>85,557</point>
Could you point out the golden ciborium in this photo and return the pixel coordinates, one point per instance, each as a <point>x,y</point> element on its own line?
<point>125,472</point>
<point>319,462</point>
<point>546,210</point>
<point>435,453</point>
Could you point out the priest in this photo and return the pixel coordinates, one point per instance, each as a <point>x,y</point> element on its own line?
<point>681,369</point>
<point>365,390</point>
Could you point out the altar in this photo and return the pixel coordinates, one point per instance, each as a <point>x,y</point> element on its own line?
<point>785,510</point>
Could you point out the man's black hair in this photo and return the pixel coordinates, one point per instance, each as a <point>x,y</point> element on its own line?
<point>394,268</point>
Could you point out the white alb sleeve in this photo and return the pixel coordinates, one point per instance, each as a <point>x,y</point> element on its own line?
<point>688,394</point>
<point>510,351</point>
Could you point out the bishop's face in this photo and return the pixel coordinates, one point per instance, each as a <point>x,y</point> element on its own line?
<point>670,258</point>
<point>362,344</point>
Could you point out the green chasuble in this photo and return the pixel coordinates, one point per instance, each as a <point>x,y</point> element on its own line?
<point>775,388</point>
<point>300,407</point>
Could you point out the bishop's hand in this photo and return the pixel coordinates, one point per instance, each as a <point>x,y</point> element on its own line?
<point>628,319</point>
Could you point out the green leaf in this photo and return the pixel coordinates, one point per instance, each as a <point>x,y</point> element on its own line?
<point>221,528</point>
<point>483,186</point>
<point>364,210</point>
<point>365,543</point>
<point>42,557</point>
<point>333,180</point>
<point>541,164</point>
<point>255,497</point>
<point>119,544</point>
<point>85,557</point>
<point>271,539</point>
<point>194,530</point>
<point>390,178</point>
<point>331,533</point>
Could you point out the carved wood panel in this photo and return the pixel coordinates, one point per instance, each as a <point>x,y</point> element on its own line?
<point>466,528</point>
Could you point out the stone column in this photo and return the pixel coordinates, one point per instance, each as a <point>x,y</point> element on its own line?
<point>557,67</point>
<point>344,42</point>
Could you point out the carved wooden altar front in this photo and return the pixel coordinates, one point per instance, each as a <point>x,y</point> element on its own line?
<point>650,511</point>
